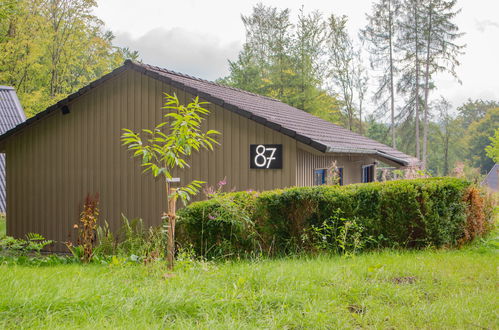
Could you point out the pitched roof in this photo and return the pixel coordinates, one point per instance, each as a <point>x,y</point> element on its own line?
<point>298,124</point>
<point>11,114</point>
<point>492,178</point>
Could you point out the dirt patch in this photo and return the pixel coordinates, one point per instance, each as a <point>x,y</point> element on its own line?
<point>404,280</point>
<point>357,309</point>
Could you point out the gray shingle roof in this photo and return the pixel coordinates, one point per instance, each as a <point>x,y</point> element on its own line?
<point>11,115</point>
<point>300,125</point>
<point>307,128</point>
<point>492,178</point>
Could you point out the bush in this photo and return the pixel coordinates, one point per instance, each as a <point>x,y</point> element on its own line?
<point>32,245</point>
<point>134,240</point>
<point>407,213</point>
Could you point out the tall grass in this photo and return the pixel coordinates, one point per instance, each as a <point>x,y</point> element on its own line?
<point>392,289</point>
<point>3,226</point>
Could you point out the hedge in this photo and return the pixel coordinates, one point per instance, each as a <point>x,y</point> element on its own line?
<point>406,213</point>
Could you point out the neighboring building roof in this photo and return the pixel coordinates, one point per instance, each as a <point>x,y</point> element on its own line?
<point>11,112</point>
<point>298,124</point>
<point>492,178</point>
<point>11,115</point>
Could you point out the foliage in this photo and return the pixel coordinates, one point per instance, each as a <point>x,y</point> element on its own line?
<point>33,243</point>
<point>285,61</point>
<point>49,49</point>
<point>476,140</point>
<point>408,213</point>
<point>379,35</point>
<point>162,152</point>
<point>345,71</point>
<point>133,241</point>
<point>337,234</point>
<point>3,229</point>
<point>477,215</point>
<point>333,176</point>
<point>221,226</point>
<point>451,289</point>
<point>492,150</point>
<point>84,250</point>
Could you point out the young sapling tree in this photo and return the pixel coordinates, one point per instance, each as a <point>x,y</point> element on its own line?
<point>167,148</point>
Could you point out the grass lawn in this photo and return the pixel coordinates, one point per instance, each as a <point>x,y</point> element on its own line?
<point>2,226</point>
<point>387,290</point>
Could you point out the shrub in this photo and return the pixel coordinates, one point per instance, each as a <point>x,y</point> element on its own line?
<point>133,241</point>
<point>221,226</point>
<point>407,213</point>
<point>33,244</point>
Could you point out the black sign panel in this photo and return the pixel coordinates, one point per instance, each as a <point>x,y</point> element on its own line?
<point>266,156</point>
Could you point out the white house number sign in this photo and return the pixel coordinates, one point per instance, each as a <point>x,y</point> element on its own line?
<point>266,156</point>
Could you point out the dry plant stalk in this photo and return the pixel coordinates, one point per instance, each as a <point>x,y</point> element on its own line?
<point>88,226</point>
<point>333,174</point>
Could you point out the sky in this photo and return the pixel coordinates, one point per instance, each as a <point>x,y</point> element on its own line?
<point>198,37</point>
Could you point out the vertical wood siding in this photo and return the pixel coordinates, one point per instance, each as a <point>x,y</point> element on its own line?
<point>53,164</point>
<point>308,162</point>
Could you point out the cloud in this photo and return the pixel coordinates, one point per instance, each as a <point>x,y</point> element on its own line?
<point>484,24</point>
<point>178,49</point>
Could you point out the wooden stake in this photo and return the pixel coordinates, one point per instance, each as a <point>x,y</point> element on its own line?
<point>172,201</point>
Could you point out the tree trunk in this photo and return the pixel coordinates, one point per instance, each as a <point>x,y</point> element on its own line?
<point>171,226</point>
<point>416,27</point>
<point>446,154</point>
<point>427,90</point>
<point>392,96</point>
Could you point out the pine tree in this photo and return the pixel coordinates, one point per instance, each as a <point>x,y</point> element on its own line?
<point>411,44</point>
<point>440,35</point>
<point>380,36</point>
<point>341,59</point>
<point>285,61</point>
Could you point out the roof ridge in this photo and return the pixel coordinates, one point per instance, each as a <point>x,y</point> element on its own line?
<point>180,74</point>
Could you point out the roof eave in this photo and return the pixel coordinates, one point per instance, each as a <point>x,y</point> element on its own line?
<point>373,152</point>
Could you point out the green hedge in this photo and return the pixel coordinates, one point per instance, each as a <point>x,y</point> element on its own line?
<point>406,213</point>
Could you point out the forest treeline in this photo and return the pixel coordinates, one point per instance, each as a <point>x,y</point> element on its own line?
<point>51,48</point>
<point>311,61</point>
<point>380,83</point>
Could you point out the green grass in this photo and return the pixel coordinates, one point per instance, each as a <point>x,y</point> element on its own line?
<point>387,290</point>
<point>3,225</point>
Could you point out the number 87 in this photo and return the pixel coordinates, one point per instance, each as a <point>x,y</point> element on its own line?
<point>260,155</point>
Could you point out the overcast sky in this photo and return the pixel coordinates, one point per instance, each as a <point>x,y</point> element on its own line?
<point>198,36</point>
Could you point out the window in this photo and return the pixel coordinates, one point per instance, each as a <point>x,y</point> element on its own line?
<point>320,176</point>
<point>367,173</point>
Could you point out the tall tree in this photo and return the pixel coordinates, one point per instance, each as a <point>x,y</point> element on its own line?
<point>411,44</point>
<point>441,50</point>
<point>492,150</point>
<point>361,84</point>
<point>341,58</point>
<point>284,60</point>
<point>474,110</point>
<point>477,138</point>
<point>380,35</point>
<point>447,132</point>
<point>50,48</point>
<point>308,54</point>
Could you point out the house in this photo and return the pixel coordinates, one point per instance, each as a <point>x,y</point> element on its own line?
<point>11,115</point>
<point>73,148</point>
<point>492,178</point>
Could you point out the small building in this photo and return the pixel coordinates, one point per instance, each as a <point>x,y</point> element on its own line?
<point>11,115</point>
<point>73,148</point>
<point>492,178</point>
